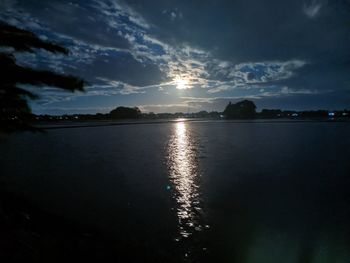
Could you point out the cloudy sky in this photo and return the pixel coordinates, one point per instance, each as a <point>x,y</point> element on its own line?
<point>191,55</point>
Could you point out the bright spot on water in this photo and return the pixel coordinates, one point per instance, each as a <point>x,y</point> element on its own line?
<point>183,169</point>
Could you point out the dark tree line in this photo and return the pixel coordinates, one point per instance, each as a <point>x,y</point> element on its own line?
<point>125,113</point>
<point>246,109</point>
<point>14,109</point>
<point>241,110</point>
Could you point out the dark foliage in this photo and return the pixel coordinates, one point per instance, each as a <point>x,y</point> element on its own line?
<point>23,40</point>
<point>241,110</point>
<point>125,113</point>
<point>314,114</point>
<point>267,113</point>
<point>14,109</point>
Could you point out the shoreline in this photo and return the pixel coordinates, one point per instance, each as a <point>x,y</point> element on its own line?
<point>93,124</point>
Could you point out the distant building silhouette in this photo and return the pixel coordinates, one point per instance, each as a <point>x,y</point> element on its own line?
<point>245,109</point>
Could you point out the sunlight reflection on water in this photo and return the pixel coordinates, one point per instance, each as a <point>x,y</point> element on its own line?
<point>183,169</point>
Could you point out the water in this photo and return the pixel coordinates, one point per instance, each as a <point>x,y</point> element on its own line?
<point>196,191</point>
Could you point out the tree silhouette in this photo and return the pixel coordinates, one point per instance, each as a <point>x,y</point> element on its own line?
<point>15,112</point>
<point>125,113</point>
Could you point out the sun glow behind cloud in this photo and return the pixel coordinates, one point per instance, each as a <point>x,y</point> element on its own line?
<point>132,61</point>
<point>182,83</point>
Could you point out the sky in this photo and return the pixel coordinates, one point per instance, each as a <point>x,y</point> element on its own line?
<point>190,55</point>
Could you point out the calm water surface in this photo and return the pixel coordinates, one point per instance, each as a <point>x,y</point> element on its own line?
<point>196,191</point>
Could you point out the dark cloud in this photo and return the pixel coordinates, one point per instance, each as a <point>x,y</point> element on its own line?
<point>317,32</point>
<point>123,67</point>
<point>76,19</point>
<point>252,30</point>
<point>283,53</point>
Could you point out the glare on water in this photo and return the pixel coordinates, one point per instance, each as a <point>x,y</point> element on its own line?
<point>183,170</point>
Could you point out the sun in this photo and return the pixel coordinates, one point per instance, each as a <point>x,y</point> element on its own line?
<point>181,83</point>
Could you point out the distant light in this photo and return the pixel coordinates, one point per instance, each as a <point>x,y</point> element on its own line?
<point>331,114</point>
<point>345,113</point>
<point>168,187</point>
<point>295,114</point>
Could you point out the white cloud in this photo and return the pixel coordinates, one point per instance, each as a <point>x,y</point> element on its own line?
<point>288,91</point>
<point>245,75</point>
<point>220,88</point>
<point>173,15</point>
<point>313,8</point>
<point>113,10</point>
<point>171,108</point>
